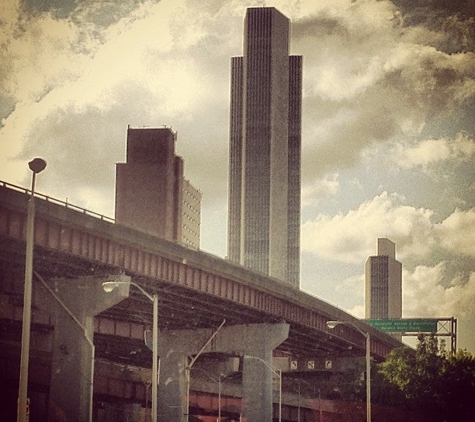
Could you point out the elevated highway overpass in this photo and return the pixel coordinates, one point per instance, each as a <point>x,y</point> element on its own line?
<point>196,290</point>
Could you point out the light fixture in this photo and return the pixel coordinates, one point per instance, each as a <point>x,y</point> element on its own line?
<point>109,286</point>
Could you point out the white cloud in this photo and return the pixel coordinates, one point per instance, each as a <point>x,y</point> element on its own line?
<point>342,27</point>
<point>351,237</point>
<point>41,54</point>
<point>147,69</point>
<point>320,190</point>
<point>457,232</point>
<point>430,152</point>
<point>424,295</point>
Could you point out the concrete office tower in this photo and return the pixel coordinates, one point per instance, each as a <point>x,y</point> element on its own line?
<point>152,194</point>
<point>265,149</point>
<point>383,283</point>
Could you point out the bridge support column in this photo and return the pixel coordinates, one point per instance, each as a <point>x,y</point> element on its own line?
<point>74,303</point>
<point>258,372</point>
<point>255,342</point>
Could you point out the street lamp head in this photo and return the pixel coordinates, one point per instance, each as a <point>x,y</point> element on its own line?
<point>37,165</point>
<point>333,324</point>
<point>109,286</point>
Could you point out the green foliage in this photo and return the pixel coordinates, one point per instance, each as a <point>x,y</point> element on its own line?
<point>435,383</point>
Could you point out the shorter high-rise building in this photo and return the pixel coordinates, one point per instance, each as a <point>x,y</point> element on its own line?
<point>152,194</point>
<point>383,283</point>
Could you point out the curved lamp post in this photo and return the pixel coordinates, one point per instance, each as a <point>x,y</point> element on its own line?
<point>36,165</point>
<point>333,324</point>
<point>108,286</point>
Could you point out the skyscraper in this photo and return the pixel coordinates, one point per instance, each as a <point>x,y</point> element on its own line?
<point>265,149</point>
<point>152,194</point>
<point>383,276</point>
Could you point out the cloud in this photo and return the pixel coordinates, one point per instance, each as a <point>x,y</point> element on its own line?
<point>351,237</point>
<point>428,153</point>
<point>331,32</point>
<point>368,82</point>
<point>431,292</point>
<point>424,295</point>
<point>457,232</point>
<point>448,26</point>
<point>153,63</point>
<point>137,72</point>
<point>418,85</point>
<point>320,190</point>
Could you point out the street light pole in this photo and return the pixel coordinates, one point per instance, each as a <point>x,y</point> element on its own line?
<point>368,377</point>
<point>219,398</point>
<point>37,165</point>
<point>333,324</point>
<point>108,286</point>
<point>155,358</point>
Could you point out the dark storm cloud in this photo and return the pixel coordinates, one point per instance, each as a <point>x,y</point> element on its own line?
<point>313,26</point>
<point>464,8</point>
<point>369,121</point>
<point>435,84</point>
<point>454,19</point>
<point>62,8</point>
<point>369,80</point>
<point>101,13</point>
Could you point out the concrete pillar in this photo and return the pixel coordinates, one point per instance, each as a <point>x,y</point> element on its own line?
<point>258,371</point>
<point>74,303</point>
<point>175,349</point>
<point>257,387</point>
<point>256,341</point>
<point>173,387</point>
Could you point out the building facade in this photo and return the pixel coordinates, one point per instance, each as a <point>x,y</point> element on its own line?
<point>383,283</point>
<point>152,194</point>
<point>265,149</point>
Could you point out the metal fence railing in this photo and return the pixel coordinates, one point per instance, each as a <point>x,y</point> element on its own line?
<point>65,204</point>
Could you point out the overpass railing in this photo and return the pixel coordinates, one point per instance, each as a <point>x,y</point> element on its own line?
<point>65,204</point>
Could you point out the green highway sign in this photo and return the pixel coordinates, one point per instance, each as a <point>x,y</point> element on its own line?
<point>415,325</point>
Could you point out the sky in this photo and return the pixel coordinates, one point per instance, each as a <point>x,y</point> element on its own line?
<point>387,130</point>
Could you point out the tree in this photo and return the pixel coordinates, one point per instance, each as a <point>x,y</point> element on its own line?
<point>437,384</point>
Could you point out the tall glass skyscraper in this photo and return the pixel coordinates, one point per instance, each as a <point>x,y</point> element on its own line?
<point>265,149</point>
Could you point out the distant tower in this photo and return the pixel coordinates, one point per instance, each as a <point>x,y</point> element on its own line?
<point>151,193</point>
<point>265,149</point>
<point>383,283</point>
